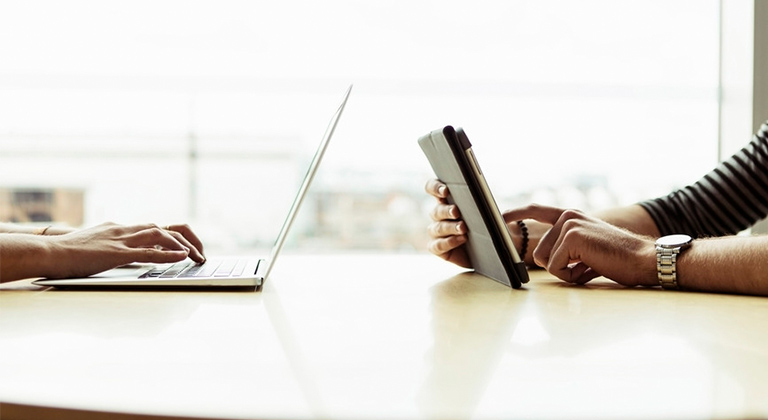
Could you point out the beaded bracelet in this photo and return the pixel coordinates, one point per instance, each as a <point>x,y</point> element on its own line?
<point>524,233</point>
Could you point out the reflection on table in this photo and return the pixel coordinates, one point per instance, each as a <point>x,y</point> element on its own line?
<point>387,336</point>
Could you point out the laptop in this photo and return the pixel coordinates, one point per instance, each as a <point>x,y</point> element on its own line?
<point>230,273</point>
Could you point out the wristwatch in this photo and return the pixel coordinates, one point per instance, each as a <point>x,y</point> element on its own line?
<point>667,249</point>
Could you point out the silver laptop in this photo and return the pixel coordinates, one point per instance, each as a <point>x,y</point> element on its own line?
<point>229,273</point>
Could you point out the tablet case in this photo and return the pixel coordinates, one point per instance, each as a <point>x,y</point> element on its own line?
<point>446,151</point>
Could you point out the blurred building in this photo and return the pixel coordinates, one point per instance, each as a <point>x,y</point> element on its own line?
<point>42,205</point>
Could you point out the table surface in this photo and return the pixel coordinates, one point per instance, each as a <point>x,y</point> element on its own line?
<point>387,336</point>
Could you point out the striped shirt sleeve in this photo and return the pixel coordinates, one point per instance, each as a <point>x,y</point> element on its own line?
<point>729,199</point>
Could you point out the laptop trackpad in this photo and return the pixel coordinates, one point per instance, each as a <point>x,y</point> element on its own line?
<point>130,270</point>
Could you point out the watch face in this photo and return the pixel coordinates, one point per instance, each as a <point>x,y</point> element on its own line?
<point>673,240</point>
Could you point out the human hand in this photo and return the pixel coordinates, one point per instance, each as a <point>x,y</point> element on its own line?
<point>89,251</point>
<point>448,233</point>
<point>184,234</point>
<point>579,248</point>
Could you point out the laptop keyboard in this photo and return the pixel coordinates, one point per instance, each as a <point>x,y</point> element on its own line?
<point>231,267</point>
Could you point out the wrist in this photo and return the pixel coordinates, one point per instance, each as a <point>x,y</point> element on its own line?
<point>45,256</point>
<point>26,256</point>
<point>522,240</point>
<point>668,249</point>
<point>649,272</point>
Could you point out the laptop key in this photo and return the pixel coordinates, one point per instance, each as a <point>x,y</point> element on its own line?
<point>239,267</point>
<point>175,270</point>
<point>208,268</point>
<point>225,269</point>
<point>205,269</point>
<point>191,271</point>
<point>152,273</point>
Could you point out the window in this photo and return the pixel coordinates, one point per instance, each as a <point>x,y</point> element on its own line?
<point>207,112</point>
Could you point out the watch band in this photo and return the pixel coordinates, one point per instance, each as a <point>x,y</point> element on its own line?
<point>666,267</point>
<point>667,250</point>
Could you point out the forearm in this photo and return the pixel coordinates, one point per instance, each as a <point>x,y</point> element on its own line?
<point>633,218</point>
<point>23,256</point>
<point>734,264</point>
<point>731,264</point>
<point>25,228</point>
<point>16,228</point>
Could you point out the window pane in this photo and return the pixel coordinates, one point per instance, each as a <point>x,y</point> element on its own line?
<point>207,112</point>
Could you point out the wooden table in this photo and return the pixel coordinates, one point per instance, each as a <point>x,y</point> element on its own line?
<point>383,337</point>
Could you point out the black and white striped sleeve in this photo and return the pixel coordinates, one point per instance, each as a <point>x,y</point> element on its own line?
<point>731,198</point>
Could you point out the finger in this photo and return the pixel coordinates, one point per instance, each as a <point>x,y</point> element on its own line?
<point>565,260</point>
<point>445,212</point>
<point>566,223</point>
<point>582,273</point>
<point>577,273</point>
<point>188,234</point>
<point>194,253</point>
<point>442,247</point>
<point>158,256</point>
<point>191,239</point>
<point>436,188</point>
<point>155,237</point>
<point>445,228</point>
<point>547,243</point>
<point>540,213</point>
<point>151,235</point>
<point>559,261</point>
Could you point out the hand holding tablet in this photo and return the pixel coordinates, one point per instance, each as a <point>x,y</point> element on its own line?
<point>489,245</point>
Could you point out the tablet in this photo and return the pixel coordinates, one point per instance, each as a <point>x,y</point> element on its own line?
<point>489,244</point>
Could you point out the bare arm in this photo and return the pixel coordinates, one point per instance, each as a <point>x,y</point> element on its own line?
<point>618,243</point>
<point>579,248</point>
<point>89,251</point>
<point>448,231</point>
<point>23,228</point>
<point>732,264</point>
<point>633,218</point>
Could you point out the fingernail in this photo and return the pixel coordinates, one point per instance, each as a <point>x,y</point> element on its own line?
<point>441,190</point>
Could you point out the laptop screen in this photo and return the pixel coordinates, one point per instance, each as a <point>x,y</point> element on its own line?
<point>314,165</point>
